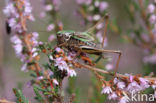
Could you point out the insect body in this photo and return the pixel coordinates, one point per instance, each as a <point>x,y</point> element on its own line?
<point>80,41</point>
<point>8,28</point>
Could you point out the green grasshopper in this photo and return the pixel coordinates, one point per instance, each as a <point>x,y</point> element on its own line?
<point>84,42</point>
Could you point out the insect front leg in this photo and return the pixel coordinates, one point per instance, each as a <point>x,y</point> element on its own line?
<point>59,45</point>
<point>98,59</point>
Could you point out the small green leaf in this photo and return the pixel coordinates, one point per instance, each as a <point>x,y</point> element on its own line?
<point>38,96</point>
<point>20,97</point>
<point>40,89</point>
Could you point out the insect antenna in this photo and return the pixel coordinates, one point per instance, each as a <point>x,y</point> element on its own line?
<point>90,30</point>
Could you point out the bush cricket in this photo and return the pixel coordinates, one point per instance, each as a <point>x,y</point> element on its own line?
<point>84,42</point>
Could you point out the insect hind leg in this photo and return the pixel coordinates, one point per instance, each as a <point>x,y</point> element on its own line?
<point>118,60</point>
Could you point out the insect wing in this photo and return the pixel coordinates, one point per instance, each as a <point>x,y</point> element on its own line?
<point>83,36</point>
<point>90,50</point>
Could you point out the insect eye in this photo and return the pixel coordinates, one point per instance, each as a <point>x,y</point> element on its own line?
<point>59,34</point>
<point>67,37</point>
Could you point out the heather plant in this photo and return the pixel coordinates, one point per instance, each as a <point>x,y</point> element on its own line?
<point>64,58</point>
<point>142,33</point>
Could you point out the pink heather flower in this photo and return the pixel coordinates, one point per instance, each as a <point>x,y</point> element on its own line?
<point>151,8</point>
<point>106,90</point>
<point>96,17</point>
<point>12,22</point>
<point>35,54</point>
<point>51,38</point>
<point>109,66</point>
<point>112,96</point>
<point>34,50</point>
<point>55,82</point>
<point>124,99</point>
<point>22,57</point>
<point>40,78</point>
<point>26,3</point>
<point>150,59</point>
<point>31,17</point>
<point>85,2</point>
<point>146,51</point>
<point>121,85</point>
<point>133,87</point>
<point>144,83</point>
<point>24,67</point>
<point>154,85</point>
<point>51,57</point>
<point>58,49</point>
<point>89,18</point>
<point>99,36</point>
<point>42,15</point>
<point>71,55</point>
<point>61,64</point>
<point>50,73</point>
<point>35,43</point>
<point>35,35</point>
<point>18,48</point>
<point>115,81</point>
<point>40,43</point>
<point>97,3</point>
<point>71,73</point>
<point>15,39</point>
<point>50,27</point>
<point>106,43</point>
<point>28,10</point>
<point>91,8</point>
<point>152,19</point>
<point>100,26</point>
<point>48,7</point>
<point>57,4</point>
<point>131,78</point>
<point>29,84</point>
<point>70,58</point>
<point>10,10</point>
<point>34,38</point>
<point>17,28</point>
<point>103,6</point>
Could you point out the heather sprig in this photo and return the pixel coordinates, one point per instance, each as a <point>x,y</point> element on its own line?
<point>122,86</point>
<point>142,33</point>
<point>26,48</point>
<point>51,8</point>
<point>91,11</point>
